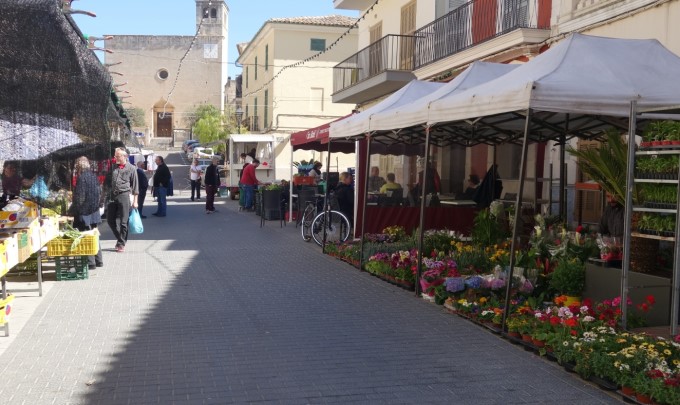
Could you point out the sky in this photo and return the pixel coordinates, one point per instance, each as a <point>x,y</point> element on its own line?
<point>177,17</point>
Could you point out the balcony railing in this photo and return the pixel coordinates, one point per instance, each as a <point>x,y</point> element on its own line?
<point>391,52</point>
<point>475,22</point>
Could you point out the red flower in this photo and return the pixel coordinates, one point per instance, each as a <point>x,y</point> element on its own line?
<point>573,332</point>
<point>580,229</point>
<point>650,299</point>
<point>672,382</point>
<point>570,322</point>
<point>555,320</point>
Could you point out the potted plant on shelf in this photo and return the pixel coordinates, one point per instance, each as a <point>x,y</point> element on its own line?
<point>569,277</point>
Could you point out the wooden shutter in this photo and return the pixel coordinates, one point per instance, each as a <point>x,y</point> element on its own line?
<point>375,52</point>
<point>407,27</point>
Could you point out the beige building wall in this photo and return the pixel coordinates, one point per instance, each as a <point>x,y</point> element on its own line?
<point>659,22</point>
<point>295,98</point>
<point>388,13</point>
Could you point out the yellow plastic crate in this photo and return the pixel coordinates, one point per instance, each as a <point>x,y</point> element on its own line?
<point>88,246</point>
<point>5,309</point>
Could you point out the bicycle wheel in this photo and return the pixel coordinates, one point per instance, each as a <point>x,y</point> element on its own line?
<point>336,226</point>
<point>306,222</point>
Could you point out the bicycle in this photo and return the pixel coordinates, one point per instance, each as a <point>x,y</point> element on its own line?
<point>307,219</point>
<point>332,222</point>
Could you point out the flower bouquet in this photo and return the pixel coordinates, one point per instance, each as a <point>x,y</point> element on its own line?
<point>610,248</point>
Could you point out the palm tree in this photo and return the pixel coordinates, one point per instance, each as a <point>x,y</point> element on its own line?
<point>607,166</point>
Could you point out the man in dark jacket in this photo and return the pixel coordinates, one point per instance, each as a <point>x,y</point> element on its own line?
<point>344,192</point>
<point>122,185</point>
<point>143,183</point>
<point>611,223</point>
<point>161,182</point>
<point>212,183</point>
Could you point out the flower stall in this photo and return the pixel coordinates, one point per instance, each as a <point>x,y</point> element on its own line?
<point>541,301</point>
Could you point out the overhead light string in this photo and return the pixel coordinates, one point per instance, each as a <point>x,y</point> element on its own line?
<point>179,67</point>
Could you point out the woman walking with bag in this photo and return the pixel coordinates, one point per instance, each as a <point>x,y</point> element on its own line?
<point>85,207</point>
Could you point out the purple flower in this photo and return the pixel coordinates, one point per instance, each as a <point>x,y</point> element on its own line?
<point>497,284</point>
<point>473,282</point>
<point>455,284</point>
<point>526,287</point>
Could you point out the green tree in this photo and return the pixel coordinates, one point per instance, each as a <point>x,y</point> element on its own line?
<point>211,125</point>
<point>136,116</point>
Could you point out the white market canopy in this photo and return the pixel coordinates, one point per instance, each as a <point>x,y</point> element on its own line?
<point>581,75</point>
<point>417,112</point>
<point>360,123</point>
<point>580,87</point>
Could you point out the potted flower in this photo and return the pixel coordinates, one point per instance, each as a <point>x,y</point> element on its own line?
<point>569,277</point>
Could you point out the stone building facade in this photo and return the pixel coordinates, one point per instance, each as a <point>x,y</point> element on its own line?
<point>166,81</point>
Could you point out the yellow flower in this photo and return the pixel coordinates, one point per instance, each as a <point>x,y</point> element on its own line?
<point>676,362</point>
<point>482,300</point>
<point>667,352</point>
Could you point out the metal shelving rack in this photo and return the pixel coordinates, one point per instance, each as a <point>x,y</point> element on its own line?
<point>628,231</point>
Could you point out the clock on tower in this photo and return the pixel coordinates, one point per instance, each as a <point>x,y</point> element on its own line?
<point>210,51</point>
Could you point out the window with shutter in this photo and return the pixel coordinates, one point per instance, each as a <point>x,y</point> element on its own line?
<point>265,118</point>
<point>375,59</point>
<point>407,27</point>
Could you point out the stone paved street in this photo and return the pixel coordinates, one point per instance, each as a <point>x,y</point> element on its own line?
<point>213,309</point>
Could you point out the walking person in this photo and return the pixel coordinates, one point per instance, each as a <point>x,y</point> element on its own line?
<point>123,193</point>
<point>195,177</point>
<point>143,182</point>
<point>85,206</point>
<point>161,182</point>
<point>212,182</point>
<point>249,182</point>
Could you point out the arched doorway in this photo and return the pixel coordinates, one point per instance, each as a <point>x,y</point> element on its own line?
<point>163,124</point>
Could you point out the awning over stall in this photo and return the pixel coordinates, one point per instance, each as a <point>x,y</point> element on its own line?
<point>317,139</point>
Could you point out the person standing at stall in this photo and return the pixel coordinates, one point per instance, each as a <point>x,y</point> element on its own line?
<point>344,192</point>
<point>11,182</point>
<point>123,193</point>
<point>315,172</point>
<point>161,182</point>
<point>143,186</point>
<point>212,183</point>
<point>249,182</point>
<point>611,223</point>
<point>85,206</point>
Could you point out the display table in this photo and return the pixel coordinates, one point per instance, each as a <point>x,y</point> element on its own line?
<point>32,239</point>
<point>604,283</point>
<point>452,217</point>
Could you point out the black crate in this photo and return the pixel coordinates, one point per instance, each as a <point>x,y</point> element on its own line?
<point>71,267</point>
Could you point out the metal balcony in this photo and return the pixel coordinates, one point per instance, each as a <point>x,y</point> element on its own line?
<point>476,22</point>
<point>381,68</point>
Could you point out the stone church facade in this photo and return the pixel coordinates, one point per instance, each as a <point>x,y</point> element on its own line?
<point>167,84</point>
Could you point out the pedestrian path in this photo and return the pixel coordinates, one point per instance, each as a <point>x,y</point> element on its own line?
<point>213,309</point>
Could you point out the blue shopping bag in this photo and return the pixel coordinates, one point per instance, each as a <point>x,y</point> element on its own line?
<point>135,222</point>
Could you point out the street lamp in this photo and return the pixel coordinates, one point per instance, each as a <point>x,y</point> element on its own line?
<point>239,116</point>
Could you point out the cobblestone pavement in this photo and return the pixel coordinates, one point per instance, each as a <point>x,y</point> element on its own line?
<point>213,309</point>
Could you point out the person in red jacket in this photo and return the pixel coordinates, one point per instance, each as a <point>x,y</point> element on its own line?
<point>249,183</point>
